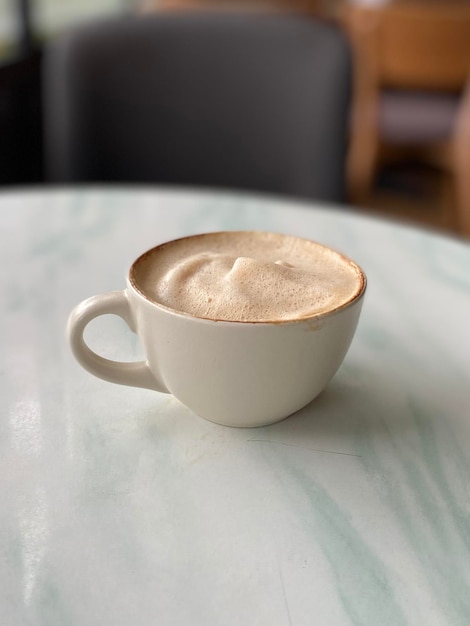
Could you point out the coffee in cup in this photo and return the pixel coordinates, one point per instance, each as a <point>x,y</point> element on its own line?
<point>243,327</point>
<point>247,277</point>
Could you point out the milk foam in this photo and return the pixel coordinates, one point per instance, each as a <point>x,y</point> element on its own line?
<point>249,277</point>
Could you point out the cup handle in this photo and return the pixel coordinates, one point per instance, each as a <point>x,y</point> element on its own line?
<point>136,374</point>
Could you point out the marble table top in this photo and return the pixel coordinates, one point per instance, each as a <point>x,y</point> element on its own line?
<point>118,506</point>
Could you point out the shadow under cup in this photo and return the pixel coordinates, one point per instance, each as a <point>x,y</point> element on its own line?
<point>234,373</point>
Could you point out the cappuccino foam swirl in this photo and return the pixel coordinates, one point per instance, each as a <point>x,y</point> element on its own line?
<point>249,277</point>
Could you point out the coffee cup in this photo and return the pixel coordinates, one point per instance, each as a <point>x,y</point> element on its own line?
<point>242,327</point>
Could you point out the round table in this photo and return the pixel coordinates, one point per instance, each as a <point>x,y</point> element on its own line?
<point>119,506</point>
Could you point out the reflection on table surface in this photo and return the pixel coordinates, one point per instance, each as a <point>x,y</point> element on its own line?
<point>119,506</point>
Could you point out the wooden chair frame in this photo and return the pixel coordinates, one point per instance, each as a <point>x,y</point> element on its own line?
<point>412,45</point>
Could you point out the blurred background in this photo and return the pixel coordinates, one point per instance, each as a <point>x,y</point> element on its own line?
<point>409,145</point>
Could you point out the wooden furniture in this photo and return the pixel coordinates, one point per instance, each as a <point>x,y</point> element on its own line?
<point>412,62</point>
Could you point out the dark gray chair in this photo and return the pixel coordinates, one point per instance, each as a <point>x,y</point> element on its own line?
<point>233,100</point>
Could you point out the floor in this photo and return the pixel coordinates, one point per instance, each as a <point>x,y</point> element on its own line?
<point>412,194</point>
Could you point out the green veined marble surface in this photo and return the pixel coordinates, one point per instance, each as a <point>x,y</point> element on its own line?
<point>118,506</point>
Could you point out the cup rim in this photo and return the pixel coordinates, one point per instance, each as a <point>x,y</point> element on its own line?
<point>359,293</point>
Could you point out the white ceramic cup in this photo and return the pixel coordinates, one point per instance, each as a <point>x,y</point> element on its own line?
<point>232,373</point>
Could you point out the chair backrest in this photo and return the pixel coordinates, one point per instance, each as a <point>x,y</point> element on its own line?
<point>415,44</point>
<point>310,6</point>
<point>242,100</point>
